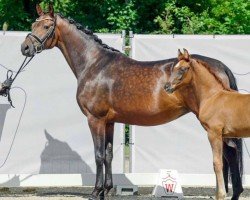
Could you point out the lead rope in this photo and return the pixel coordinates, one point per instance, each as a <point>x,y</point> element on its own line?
<point>10,80</point>
<point>18,124</point>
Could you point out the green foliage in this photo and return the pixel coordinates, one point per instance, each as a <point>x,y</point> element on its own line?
<point>11,13</point>
<point>214,17</point>
<point>121,16</point>
<point>151,16</point>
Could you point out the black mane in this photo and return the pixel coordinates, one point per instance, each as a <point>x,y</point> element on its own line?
<point>88,32</point>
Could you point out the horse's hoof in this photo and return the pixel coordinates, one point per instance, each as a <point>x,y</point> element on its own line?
<point>237,194</point>
<point>97,195</point>
<point>97,198</point>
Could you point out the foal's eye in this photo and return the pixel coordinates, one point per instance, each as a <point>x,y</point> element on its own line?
<point>46,27</point>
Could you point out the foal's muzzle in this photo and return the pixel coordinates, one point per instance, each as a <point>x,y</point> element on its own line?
<point>169,88</point>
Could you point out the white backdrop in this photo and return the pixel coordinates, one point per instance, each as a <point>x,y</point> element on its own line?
<point>183,144</point>
<point>53,137</point>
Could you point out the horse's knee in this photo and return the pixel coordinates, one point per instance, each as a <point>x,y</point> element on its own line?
<point>218,166</point>
<point>99,158</point>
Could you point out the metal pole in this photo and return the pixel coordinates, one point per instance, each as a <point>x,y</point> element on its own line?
<point>123,40</point>
<point>131,35</point>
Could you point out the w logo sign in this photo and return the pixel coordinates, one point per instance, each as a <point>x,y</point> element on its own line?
<point>169,188</point>
<point>168,185</point>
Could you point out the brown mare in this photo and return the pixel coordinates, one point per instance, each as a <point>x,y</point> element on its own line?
<point>223,112</point>
<point>114,88</point>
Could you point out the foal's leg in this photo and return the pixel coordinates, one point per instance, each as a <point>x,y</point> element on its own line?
<point>216,144</point>
<point>225,169</point>
<point>97,128</point>
<point>108,183</point>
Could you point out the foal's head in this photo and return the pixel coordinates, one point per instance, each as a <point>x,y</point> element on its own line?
<point>44,34</point>
<point>181,73</point>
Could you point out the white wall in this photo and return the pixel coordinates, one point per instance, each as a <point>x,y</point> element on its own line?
<point>183,144</point>
<point>67,148</point>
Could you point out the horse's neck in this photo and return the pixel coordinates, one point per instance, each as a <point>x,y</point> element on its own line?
<point>204,84</point>
<point>79,51</point>
<point>188,95</point>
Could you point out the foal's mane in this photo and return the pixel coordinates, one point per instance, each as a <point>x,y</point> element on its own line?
<point>217,78</point>
<point>87,32</point>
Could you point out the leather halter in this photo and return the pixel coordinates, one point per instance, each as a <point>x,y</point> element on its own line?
<point>41,41</point>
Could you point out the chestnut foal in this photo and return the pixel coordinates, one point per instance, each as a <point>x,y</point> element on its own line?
<point>224,113</point>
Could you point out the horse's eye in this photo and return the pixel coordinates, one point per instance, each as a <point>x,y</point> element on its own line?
<point>46,27</point>
<point>181,71</point>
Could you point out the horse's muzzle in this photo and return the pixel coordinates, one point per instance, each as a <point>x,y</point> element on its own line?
<point>169,88</point>
<point>27,50</point>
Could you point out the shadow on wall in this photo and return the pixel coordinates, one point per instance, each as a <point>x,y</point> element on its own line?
<point>3,110</point>
<point>13,182</point>
<point>59,158</point>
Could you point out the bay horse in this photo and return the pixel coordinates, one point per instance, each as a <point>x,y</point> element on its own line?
<point>114,88</point>
<point>223,112</point>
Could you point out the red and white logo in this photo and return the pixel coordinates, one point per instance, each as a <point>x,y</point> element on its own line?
<point>169,184</point>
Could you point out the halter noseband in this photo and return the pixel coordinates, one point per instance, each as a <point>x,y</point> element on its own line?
<point>50,33</point>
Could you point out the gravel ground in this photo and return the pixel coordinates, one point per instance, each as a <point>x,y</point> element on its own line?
<point>82,193</point>
<point>72,197</point>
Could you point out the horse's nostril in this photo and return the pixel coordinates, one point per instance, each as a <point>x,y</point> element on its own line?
<point>26,47</point>
<point>167,86</point>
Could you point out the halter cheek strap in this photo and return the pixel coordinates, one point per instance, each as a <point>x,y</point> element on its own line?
<point>41,41</point>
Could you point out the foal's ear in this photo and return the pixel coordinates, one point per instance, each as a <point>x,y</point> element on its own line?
<point>186,54</point>
<point>51,10</point>
<point>180,55</point>
<point>39,10</point>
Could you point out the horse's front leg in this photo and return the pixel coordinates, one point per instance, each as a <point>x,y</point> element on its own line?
<point>108,183</point>
<point>97,128</point>
<point>216,144</point>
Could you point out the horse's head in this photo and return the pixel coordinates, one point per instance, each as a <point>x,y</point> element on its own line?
<point>180,75</point>
<point>44,33</point>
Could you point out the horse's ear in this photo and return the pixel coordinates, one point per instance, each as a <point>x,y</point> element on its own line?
<point>51,10</point>
<point>180,55</point>
<point>39,10</point>
<point>186,54</point>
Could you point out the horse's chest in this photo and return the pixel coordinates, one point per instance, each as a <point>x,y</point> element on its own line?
<point>94,100</point>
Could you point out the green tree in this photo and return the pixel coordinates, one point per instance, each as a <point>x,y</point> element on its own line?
<point>211,17</point>
<point>151,16</point>
<point>12,13</point>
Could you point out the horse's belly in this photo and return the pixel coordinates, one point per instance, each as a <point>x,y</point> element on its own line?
<point>148,110</point>
<point>149,118</point>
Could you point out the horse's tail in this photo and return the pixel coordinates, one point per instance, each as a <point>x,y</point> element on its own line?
<point>238,142</point>
<point>232,80</point>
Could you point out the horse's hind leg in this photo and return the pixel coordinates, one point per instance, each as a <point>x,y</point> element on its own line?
<point>232,157</point>
<point>97,128</point>
<point>108,183</point>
